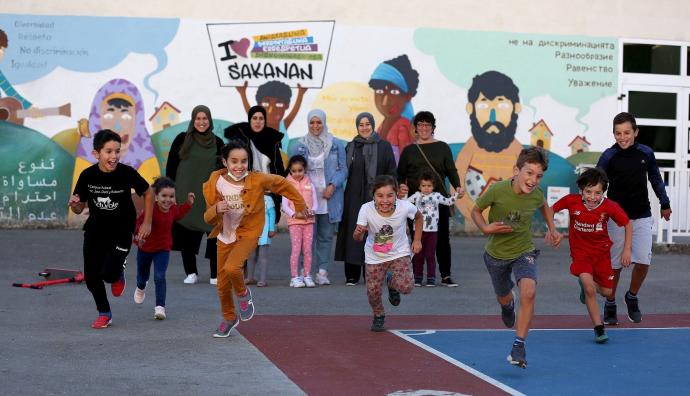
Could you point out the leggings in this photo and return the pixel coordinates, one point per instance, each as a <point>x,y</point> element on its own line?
<point>301,236</point>
<point>428,253</point>
<point>401,280</point>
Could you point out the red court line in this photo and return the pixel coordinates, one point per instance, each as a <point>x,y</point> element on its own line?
<point>338,355</point>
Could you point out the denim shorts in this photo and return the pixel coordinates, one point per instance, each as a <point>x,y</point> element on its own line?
<point>524,266</point>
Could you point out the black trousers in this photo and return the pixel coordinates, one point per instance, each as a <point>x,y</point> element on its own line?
<point>443,241</point>
<point>104,261</point>
<point>188,242</point>
<point>353,272</point>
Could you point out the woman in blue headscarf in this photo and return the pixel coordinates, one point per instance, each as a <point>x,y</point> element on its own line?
<point>394,83</point>
<point>327,170</point>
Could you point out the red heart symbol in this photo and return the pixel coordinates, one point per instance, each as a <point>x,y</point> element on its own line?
<point>240,47</point>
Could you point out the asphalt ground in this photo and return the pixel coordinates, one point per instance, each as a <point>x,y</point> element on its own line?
<point>48,346</point>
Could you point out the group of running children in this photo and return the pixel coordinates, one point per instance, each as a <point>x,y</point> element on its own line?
<point>604,233</point>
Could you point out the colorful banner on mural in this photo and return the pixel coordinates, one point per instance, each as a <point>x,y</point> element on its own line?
<point>255,53</point>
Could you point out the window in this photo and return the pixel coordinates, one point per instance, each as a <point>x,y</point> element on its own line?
<point>651,59</point>
<point>658,105</point>
<point>661,139</point>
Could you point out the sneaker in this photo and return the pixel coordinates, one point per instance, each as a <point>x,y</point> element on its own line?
<point>447,281</point>
<point>610,316</point>
<point>518,355</point>
<point>118,287</point>
<point>250,281</point>
<point>377,324</point>
<point>213,281</point>
<point>246,306</point>
<point>582,290</point>
<point>430,282</point>
<point>309,282</point>
<point>159,312</point>
<point>508,313</point>
<point>297,282</point>
<point>600,336</point>
<point>634,313</point>
<point>349,282</point>
<point>139,295</point>
<point>261,284</point>
<point>101,322</point>
<point>225,328</point>
<point>191,279</point>
<point>417,282</point>
<point>393,294</point>
<point>322,278</point>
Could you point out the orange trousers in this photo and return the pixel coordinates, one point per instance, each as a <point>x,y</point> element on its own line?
<point>231,259</point>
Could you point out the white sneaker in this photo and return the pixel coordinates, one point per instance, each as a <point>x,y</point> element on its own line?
<point>139,295</point>
<point>309,282</point>
<point>297,282</point>
<point>191,279</point>
<point>159,312</point>
<point>322,278</point>
<point>213,281</point>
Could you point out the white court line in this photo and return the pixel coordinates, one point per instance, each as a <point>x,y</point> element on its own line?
<point>428,332</point>
<point>457,363</point>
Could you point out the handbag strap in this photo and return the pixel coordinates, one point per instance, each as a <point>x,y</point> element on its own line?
<point>443,184</point>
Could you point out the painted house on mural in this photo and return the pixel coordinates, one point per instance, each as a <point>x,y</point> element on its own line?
<point>540,135</point>
<point>579,145</point>
<point>165,116</point>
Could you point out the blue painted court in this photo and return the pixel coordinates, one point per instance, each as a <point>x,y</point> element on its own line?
<point>654,361</point>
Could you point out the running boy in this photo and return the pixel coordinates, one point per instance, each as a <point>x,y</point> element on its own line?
<point>235,208</point>
<point>510,247</point>
<point>590,246</point>
<point>156,248</point>
<point>427,201</point>
<point>387,249</point>
<point>106,188</point>
<point>628,164</point>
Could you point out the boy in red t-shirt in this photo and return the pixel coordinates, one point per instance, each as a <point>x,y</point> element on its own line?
<point>156,248</point>
<point>589,241</point>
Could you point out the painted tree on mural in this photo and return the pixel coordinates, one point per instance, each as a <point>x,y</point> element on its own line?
<point>493,104</point>
<point>395,83</point>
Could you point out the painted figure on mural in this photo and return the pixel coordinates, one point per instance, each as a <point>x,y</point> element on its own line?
<point>275,96</point>
<point>493,104</point>
<point>11,102</point>
<point>118,106</point>
<point>394,83</point>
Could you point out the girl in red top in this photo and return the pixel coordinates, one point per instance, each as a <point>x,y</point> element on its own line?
<point>156,248</point>
<point>301,230</point>
<point>589,241</point>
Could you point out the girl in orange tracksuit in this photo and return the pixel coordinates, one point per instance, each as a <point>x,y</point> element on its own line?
<point>235,208</point>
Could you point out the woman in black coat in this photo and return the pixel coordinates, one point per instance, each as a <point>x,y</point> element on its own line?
<point>367,157</point>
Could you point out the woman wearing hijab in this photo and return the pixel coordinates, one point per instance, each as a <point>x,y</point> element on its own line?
<point>367,156</point>
<point>326,167</point>
<point>264,143</point>
<point>194,154</point>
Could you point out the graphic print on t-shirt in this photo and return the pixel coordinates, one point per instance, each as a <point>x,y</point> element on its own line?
<point>101,202</point>
<point>383,240</point>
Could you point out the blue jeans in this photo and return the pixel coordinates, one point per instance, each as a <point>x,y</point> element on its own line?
<point>160,265</point>
<point>323,241</point>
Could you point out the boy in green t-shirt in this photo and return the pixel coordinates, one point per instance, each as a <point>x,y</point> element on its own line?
<point>510,248</point>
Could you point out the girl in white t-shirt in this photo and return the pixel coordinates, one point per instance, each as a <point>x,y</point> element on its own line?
<point>387,248</point>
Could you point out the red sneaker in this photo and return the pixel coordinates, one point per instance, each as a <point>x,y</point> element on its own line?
<point>101,322</point>
<point>118,287</point>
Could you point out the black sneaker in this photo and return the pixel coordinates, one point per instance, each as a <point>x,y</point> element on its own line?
<point>518,355</point>
<point>634,313</point>
<point>393,297</point>
<point>600,336</point>
<point>447,281</point>
<point>610,317</point>
<point>508,313</point>
<point>377,324</point>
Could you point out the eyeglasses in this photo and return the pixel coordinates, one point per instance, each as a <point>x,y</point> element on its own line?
<point>424,125</point>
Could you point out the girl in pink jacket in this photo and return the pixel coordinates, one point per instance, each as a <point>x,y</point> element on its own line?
<point>301,230</point>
